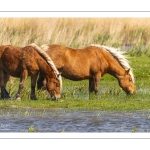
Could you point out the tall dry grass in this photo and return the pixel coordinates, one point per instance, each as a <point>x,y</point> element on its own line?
<point>75,32</point>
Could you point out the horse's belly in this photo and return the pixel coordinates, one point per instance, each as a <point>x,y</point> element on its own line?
<point>74,75</point>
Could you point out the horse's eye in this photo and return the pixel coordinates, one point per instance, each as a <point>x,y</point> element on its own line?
<point>57,84</point>
<point>130,79</point>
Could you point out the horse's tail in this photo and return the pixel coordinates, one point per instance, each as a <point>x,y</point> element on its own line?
<point>49,61</point>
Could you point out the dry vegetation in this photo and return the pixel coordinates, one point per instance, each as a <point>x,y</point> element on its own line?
<point>75,32</point>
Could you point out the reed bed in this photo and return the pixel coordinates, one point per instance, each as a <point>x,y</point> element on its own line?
<point>75,32</point>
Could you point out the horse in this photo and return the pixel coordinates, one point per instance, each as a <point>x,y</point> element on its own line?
<point>92,63</point>
<point>28,61</point>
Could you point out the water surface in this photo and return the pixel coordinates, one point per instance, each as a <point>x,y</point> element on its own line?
<point>63,120</point>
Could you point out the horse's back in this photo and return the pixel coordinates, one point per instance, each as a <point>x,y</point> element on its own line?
<point>11,60</point>
<point>75,64</point>
<point>62,53</point>
<point>15,59</point>
<point>31,60</point>
<point>85,56</point>
<point>4,47</point>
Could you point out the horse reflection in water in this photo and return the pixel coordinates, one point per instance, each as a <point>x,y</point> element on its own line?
<point>91,63</point>
<point>24,62</point>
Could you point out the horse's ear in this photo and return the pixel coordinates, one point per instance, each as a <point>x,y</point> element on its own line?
<point>127,71</point>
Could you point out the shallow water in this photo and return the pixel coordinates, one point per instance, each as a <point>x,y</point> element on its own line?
<point>61,120</point>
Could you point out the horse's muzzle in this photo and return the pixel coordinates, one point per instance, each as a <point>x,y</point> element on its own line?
<point>55,97</point>
<point>131,92</point>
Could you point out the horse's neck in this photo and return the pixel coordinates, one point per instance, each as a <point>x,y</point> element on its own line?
<point>45,69</point>
<point>116,70</point>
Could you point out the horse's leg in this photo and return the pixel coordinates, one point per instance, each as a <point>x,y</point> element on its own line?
<point>23,77</point>
<point>93,83</point>
<point>41,83</point>
<point>33,84</point>
<point>3,81</point>
<point>6,79</point>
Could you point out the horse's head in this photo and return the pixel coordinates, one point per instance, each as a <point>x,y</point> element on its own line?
<point>53,86</point>
<point>127,83</point>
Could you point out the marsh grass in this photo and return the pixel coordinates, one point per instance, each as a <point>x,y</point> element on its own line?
<point>75,32</point>
<point>131,34</point>
<point>75,93</point>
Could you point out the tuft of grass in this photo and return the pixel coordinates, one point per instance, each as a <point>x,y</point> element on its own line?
<point>134,130</point>
<point>31,129</point>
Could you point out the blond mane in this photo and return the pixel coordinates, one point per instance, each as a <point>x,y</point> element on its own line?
<point>118,55</point>
<point>49,61</point>
<point>45,47</point>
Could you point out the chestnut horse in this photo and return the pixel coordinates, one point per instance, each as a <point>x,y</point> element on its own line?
<point>28,61</point>
<point>91,63</point>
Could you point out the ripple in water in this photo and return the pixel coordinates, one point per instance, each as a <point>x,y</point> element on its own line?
<point>62,120</point>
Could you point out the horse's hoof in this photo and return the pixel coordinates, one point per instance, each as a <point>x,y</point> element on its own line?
<point>6,97</point>
<point>34,98</point>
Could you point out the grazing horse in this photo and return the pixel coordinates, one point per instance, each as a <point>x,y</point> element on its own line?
<point>28,61</point>
<point>91,63</point>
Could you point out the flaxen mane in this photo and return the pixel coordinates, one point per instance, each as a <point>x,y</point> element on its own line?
<point>45,47</point>
<point>49,61</point>
<point>118,55</point>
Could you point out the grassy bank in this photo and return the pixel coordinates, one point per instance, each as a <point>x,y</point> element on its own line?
<point>131,33</point>
<point>75,93</point>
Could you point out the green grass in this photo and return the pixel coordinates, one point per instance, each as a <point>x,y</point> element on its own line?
<point>126,104</point>
<point>75,32</point>
<point>75,93</point>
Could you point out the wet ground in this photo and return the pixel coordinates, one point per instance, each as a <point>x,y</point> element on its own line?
<point>61,120</point>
